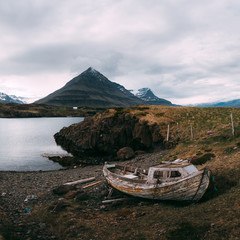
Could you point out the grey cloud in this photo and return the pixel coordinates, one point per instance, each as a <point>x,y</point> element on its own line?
<point>44,58</point>
<point>165,45</point>
<point>24,15</point>
<point>161,69</point>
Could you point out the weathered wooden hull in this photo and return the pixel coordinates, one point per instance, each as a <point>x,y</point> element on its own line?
<point>191,188</point>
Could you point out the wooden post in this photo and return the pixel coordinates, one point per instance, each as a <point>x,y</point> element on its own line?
<point>168,133</point>
<point>80,181</point>
<point>232,124</point>
<point>115,200</point>
<point>177,129</point>
<point>191,131</point>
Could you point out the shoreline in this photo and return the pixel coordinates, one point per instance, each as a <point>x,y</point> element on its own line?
<point>16,187</point>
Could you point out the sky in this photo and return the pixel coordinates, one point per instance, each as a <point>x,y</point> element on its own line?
<point>186,51</point>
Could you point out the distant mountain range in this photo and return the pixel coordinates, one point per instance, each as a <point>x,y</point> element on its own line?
<point>92,89</point>
<point>232,103</point>
<point>4,98</point>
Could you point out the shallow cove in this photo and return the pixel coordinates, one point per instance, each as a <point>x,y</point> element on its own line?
<point>24,140</point>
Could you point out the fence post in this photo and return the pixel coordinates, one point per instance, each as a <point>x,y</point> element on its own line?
<point>232,124</point>
<point>191,131</point>
<point>168,133</point>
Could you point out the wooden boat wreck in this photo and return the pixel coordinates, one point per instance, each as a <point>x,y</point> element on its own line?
<point>178,180</point>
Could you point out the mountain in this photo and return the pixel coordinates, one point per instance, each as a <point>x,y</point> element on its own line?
<point>232,103</point>
<point>147,96</point>
<point>91,89</point>
<point>4,98</point>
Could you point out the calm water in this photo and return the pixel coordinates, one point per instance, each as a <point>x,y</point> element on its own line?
<point>24,140</point>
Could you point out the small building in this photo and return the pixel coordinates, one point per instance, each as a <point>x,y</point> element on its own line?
<point>75,108</point>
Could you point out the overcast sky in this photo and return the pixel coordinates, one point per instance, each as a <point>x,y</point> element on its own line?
<point>186,51</point>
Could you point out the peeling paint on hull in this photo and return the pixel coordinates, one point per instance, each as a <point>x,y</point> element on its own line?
<point>191,188</point>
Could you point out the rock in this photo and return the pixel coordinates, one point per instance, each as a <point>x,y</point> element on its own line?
<point>82,196</point>
<point>63,189</point>
<point>125,153</point>
<point>31,197</point>
<point>104,134</point>
<point>140,152</point>
<point>210,132</point>
<point>199,160</point>
<point>70,194</point>
<point>58,205</point>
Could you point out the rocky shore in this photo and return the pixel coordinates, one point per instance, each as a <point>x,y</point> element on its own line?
<point>20,192</point>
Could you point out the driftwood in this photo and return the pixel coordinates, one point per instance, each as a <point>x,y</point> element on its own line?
<point>92,184</point>
<point>110,193</point>
<point>80,181</point>
<point>115,200</point>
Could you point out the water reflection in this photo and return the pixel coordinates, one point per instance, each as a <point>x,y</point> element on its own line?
<point>24,140</point>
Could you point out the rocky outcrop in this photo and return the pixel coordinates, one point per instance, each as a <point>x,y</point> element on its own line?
<point>104,134</point>
<point>125,153</point>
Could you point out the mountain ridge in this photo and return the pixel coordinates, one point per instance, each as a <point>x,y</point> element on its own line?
<point>92,89</point>
<point>5,98</point>
<point>231,103</point>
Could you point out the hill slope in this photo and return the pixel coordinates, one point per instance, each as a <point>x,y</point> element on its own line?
<point>91,89</point>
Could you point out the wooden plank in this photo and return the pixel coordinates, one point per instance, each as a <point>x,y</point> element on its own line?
<point>80,181</point>
<point>92,184</point>
<point>115,200</point>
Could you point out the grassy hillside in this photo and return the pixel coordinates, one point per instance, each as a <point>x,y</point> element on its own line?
<point>12,110</point>
<point>211,136</point>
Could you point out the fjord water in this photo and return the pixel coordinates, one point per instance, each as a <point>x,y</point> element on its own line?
<point>23,141</point>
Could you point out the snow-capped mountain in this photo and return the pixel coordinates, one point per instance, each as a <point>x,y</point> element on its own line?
<point>4,98</point>
<point>91,89</point>
<point>147,96</point>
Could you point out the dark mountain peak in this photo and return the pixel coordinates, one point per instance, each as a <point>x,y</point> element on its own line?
<point>91,89</point>
<point>91,70</point>
<point>145,93</point>
<point>90,77</point>
<point>148,96</point>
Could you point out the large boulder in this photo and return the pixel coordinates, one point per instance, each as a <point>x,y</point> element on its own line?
<point>125,153</point>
